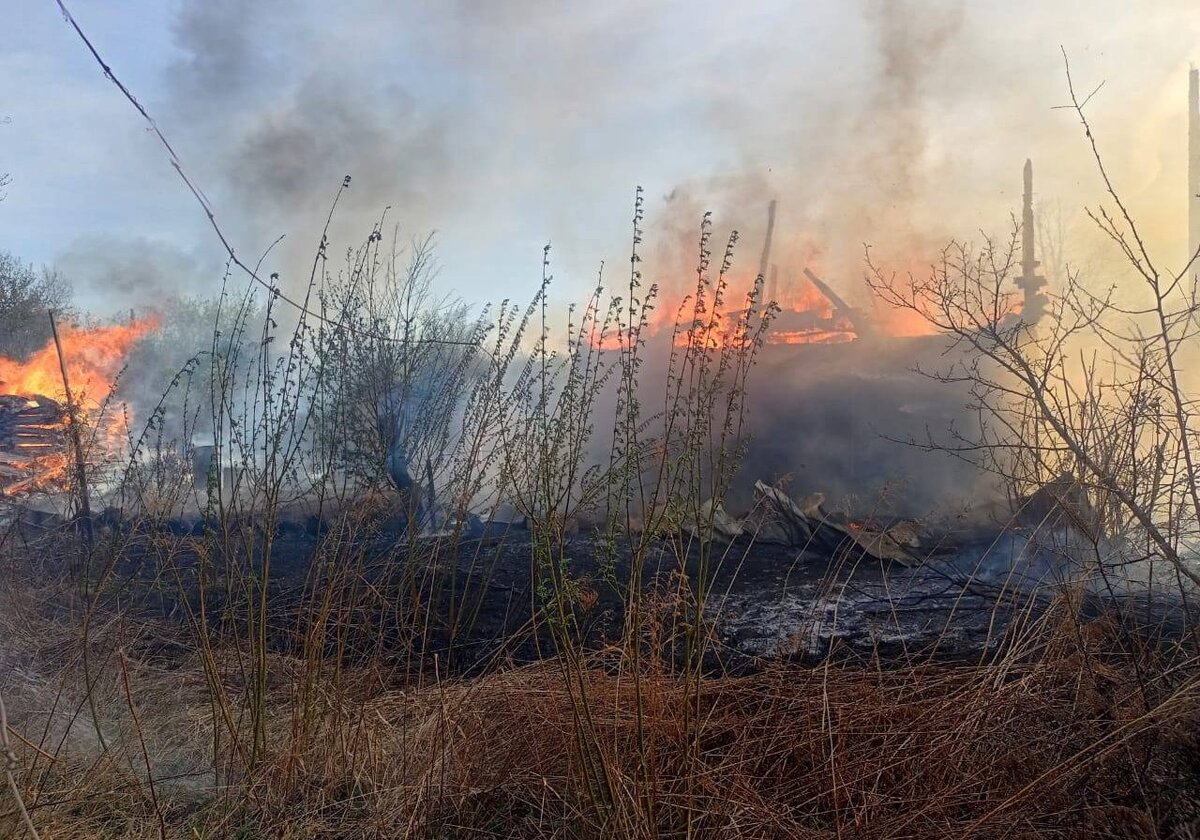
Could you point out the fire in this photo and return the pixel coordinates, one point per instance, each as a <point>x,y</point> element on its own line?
<point>803,296</point>
<point>726,331</point>
<point>904,323</point>
<point>94,359</point>
<point>33,415</point>
<point>805,316</point>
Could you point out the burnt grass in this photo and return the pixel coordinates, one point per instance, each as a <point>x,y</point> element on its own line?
<point>481,601</point>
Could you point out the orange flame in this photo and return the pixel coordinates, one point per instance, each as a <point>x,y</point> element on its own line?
<point>94,360</point>
<point>36,458</point>
<point>904,323</point>
<point>805,316</point>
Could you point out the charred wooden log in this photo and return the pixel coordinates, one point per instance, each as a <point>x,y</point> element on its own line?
<point>862,324</point>
<point>806,524</point>
<point>778,519</point>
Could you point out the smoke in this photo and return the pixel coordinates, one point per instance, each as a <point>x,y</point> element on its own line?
<point>849,421</point>
<point>911,40</point>
<point>222,52</point>
<point>503,126</point>
<point>854,421</point>
<point>291,154</point>
<point>114,274</point>
<point>866,168</point>
<point>836,419</point>
<point>284,118</point>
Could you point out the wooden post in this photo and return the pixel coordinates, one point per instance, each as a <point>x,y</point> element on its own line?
<point>85,506</point>
<point>765,260</point>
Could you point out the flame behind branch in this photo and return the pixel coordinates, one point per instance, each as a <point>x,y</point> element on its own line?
<point>33,441</point>
<point>94,360</point>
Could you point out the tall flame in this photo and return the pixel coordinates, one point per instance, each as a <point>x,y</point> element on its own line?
<point>94,359</point>
<point>33,456</point>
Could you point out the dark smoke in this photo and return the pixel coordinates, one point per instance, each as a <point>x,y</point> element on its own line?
<point>284,100</point>
<point>288,158</point>
<point>839,419</point>
<point>113,274</point>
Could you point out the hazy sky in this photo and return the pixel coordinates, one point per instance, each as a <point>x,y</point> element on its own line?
<point>506,125</point>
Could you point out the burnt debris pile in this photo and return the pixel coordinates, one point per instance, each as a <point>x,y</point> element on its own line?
<point>32,446</point>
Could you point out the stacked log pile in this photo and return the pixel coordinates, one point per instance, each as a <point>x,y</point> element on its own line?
<point>32,446</point>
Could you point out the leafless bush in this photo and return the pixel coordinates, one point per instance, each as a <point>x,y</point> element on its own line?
<point>1097,392</point>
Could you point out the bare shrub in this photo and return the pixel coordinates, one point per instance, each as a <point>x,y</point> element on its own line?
<point>1097,392</point>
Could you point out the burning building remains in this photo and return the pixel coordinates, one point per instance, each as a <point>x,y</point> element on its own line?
<point>33,447</point>
<point>76,370</point>
<point>837,371</point>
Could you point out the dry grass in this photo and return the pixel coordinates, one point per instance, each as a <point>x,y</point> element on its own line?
<point>1072,742</point>
<point>1061,746</point>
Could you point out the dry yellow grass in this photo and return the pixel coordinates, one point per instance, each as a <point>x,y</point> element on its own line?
<point>1057,747</point>
<point>1074,742</point>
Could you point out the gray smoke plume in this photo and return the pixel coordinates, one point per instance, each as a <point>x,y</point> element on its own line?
<point>841,420</point>
<point>898,124</point>
<point>911,39</point>
<point>286,117</point>
<point>113,274</point>
<point>861,171</point>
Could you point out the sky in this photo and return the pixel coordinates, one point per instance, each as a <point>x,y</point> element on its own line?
<point>502,126</point>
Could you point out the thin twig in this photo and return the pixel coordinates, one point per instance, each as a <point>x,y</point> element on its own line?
<point>11,764</point>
